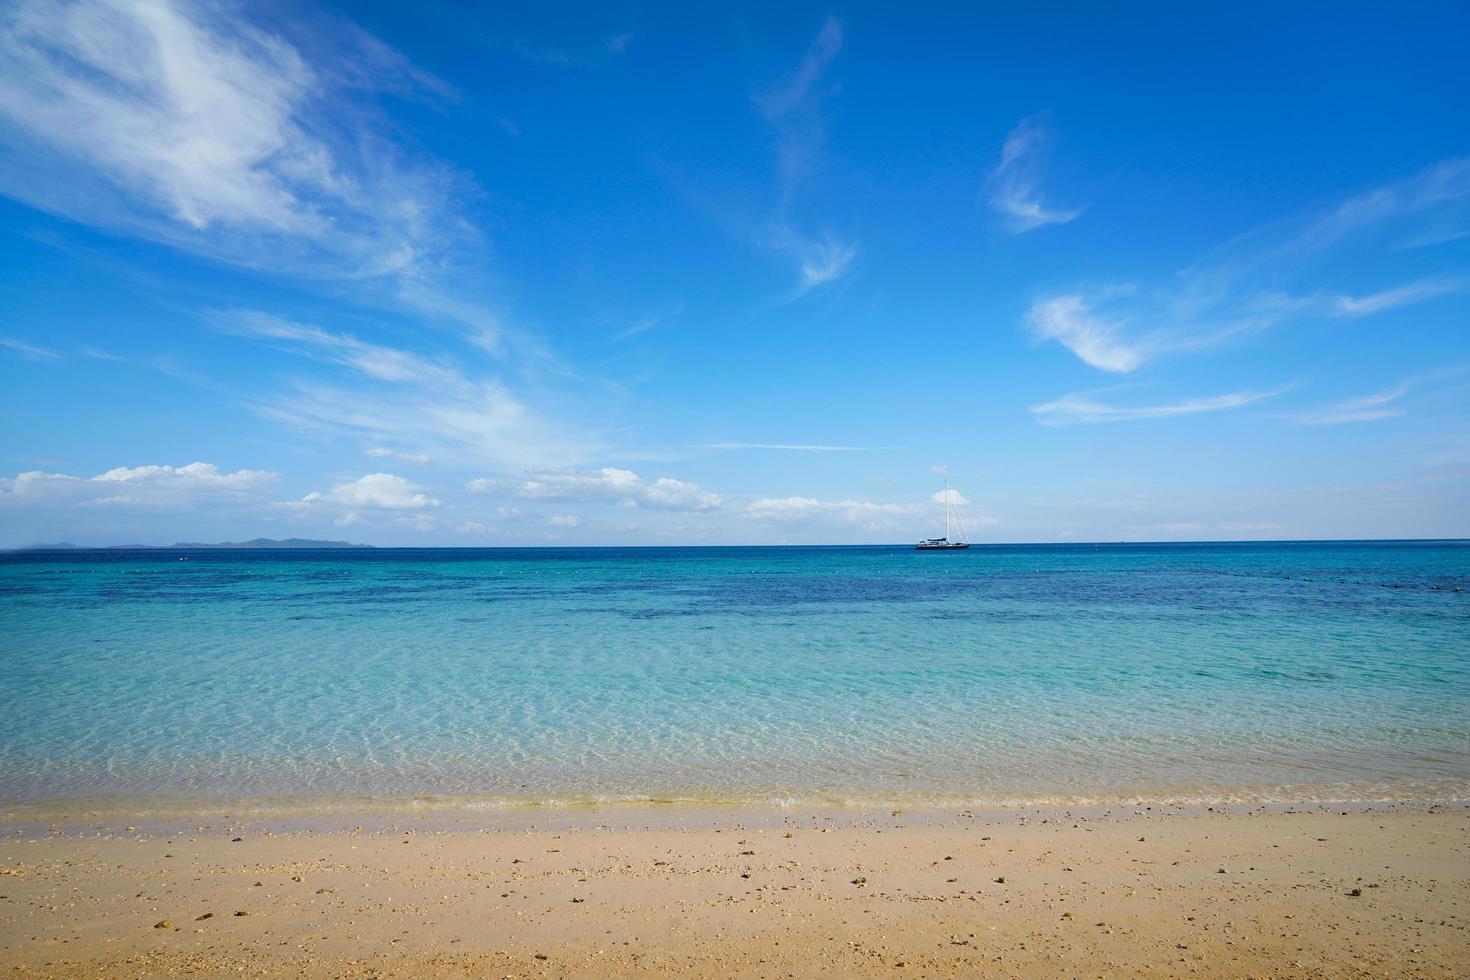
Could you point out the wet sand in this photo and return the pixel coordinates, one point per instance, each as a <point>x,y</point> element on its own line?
<point>1367,892</point>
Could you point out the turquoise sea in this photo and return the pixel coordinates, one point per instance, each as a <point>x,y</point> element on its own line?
<point>1073,673</point>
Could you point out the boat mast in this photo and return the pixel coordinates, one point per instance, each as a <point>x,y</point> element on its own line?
<point>946,508</point>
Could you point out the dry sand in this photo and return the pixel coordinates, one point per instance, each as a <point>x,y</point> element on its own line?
<point>1371,892</point>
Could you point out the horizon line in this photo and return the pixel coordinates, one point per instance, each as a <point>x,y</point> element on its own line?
<point>347,546</point>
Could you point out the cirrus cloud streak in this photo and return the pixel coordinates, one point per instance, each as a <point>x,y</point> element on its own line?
<point>1083,407</point>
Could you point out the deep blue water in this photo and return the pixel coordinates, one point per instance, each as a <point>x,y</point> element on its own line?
<point>1253,671</point>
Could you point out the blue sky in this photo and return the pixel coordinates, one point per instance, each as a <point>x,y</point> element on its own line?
<point>627,274</point>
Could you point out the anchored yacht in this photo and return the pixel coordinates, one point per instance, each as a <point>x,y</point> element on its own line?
<point>951,541</point>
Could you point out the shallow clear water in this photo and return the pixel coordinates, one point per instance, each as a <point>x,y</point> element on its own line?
<point>1047,673</point>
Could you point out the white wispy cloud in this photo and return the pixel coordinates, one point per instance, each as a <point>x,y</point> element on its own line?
<point>1352,306</point>
<point>1098,341</point>
<point>379,452</point>
<point>819,261</point>
<point>565,520</point>
<point>257,139</point>
<point>29,350</point>
<point>1014,184</point>
<point>192,124</point>
<point>1243,287</point>
<point>376,361</point>
<point>645,320</point>
<point>399,397</point>
<point>584,57</point>
<point>1366,409</point>
<point>606,485</point>
<point>551,56</point>
<point>482,423</point>
<point>1279,305</point>
<point>1083,407</point>
<point>1118,328</point>
<point>1383,404</point>
<point>178,114</point>
<point>796,447</point>
<point>794,109</point>
<point>800,92</point>
<point>155,486</point>
<point>1439,192</point>
<point>637,327</point>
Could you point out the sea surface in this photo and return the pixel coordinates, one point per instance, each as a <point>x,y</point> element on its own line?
<point>1002,674</point>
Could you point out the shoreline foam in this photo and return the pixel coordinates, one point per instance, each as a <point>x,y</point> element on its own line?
<point>320,810</point>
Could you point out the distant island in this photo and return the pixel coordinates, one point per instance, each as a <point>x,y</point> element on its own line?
<point>253,543</point>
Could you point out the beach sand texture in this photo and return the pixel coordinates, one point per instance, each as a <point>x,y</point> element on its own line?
<point>1379,892</point>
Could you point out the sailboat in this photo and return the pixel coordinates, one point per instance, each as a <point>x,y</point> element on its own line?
<point>950,541</point>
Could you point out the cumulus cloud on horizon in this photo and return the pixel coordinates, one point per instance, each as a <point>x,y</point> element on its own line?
<point>148,486</point>
<point>868,514</point>
<point>606,485</point>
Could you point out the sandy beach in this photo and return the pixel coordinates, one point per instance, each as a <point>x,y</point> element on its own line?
<point>1321,891</point>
